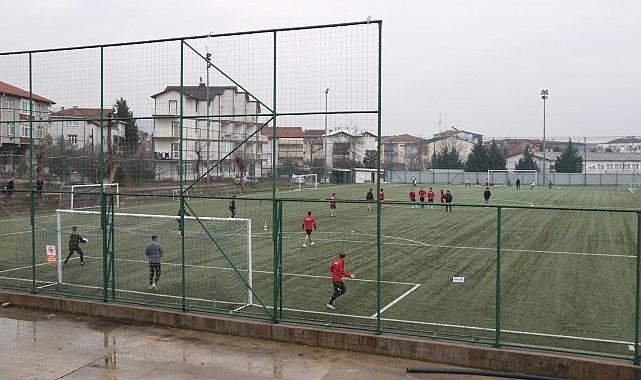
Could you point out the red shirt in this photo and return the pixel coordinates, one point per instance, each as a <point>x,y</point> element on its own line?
<point>422,193</point>
<point>338,270</point>
<point>381,196</point>
<point>430,195</point>
<point>442,197</point>
<point>412,195</point>
<point>332,202</point>
<point>309,222</point>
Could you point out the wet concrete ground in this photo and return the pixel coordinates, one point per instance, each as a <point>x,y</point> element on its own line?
<point>36,344</point>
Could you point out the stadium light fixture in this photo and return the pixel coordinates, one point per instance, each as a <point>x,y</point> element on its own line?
<point>544,96</point>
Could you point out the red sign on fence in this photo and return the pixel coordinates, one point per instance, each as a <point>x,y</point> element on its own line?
<point>51,254</point>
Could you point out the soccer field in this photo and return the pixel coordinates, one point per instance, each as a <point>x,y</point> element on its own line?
<point>567,277</point>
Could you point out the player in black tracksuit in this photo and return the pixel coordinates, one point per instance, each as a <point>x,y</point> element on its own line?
<point>232,207</point>
<point>74,245</point>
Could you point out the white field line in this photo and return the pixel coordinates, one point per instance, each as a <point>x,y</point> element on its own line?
<point>420,243</point>
<point>29,266</point>
<point>476,328</point>
<point>261,271</point>
<point>396,300</point>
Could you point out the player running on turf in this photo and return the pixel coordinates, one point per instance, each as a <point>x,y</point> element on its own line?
<point>332,205</point>
<point>370,198</point>
<point>421,196</point>
<point>467,183</point>
<point>442,198</point>
<point>338,272</point>
<point>154,253</point>
<point>74,245</point>
<point>413,182</point>
<point>309,223</point>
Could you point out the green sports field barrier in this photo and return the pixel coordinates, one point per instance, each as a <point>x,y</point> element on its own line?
<point>192,142</point>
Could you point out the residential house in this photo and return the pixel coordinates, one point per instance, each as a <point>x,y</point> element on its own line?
<point>470,137</point>
<point>437,144</point>
<point>405,151</point>
<point>80,127</point>
<point>345,146</point>
<point>289,146</point>
<point>517,146</point>
<point>313,147</point>
<point>15,110</point>
<point>210,131</point>
<point>630,144</point>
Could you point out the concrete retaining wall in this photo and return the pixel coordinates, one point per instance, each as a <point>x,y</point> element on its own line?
<point>458,354</point>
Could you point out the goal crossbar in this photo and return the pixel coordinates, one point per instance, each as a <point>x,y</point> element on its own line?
<point>105,185</point>
<point>245,221</point>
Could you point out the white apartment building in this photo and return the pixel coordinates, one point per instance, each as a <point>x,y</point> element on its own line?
<point>80,127</point>
<point>15,109</point>
<point>629,144</point>
<point>345,145</point>
<point>206,139</point>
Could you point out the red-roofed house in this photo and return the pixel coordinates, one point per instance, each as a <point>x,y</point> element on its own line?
<point>14,117</point>
<point>80,127</point>
<point>289,146</point>
<point>15,110</point>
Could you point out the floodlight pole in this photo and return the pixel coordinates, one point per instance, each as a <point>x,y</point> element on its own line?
<point>544,96</point>
<point>325,139</point>
<point>208,59</point>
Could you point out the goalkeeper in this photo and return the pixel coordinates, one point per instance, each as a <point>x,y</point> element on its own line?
<point>74,245</point>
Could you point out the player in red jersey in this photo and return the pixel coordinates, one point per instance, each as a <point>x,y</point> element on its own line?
<point>309,223</point>
<point>412,197</point>
<point>430,197</point>
<point>381,195</point>
<point>421,196</point>
<point>332,205</point>
<point>338,272</point>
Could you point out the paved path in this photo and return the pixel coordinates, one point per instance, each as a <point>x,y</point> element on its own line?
<point>40,345</point>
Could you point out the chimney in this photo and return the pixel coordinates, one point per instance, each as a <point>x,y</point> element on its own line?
<point>75,106</point>
<point>62,108</point>
<point>201,84</point>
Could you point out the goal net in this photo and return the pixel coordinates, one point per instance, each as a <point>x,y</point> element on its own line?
<point>217,258</point>
<point>76,197</point>
<point>304,182</point>
<point>509,177</point>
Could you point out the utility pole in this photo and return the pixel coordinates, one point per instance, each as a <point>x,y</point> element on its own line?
<point>544,96</point>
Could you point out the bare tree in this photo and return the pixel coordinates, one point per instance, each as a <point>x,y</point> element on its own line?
<point>112,155</point>
<point>241,160</point>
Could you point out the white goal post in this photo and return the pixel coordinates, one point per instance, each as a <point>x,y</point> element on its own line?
<point>133,231</point>
<point>84,196</point>
<point>509,176</point>
<point>304,182</point>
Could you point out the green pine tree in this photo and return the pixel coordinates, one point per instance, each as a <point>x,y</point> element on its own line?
<point>447,158</point>
<point>569,161</point>
<point>526,162</point>
<point>477,160</point>
<point>496,157</point>
<point>131,129</point>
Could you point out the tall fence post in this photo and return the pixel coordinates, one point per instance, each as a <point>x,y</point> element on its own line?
<point>497,326</point>
<point>378,190</point>
<point>275,259</point>
<point>32,199</point>
<point>181,175</point>
<point>101,174</point>
<point>637,312</point>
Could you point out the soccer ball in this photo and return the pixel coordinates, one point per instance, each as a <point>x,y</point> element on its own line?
<point>84,240</point>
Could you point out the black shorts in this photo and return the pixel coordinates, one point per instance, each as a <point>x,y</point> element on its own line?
<point>412,200</point>
<point>332,206</point>
<point>430,201</point>
<point>422,199</point>
<point>154,266</point>
<point>308,232</point>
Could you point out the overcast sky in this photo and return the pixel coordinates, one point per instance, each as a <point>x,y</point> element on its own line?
<point>478,64</point>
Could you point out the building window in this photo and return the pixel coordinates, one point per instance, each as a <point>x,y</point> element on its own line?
<point>9,129</point>
<point>175,150</point>
<point>196,106</point>
<point>24,130</point>
<point>175,129</point>
<point>635,166</point>
<point>173,107</point>
<point>72,123</point>
<point>40,132</point>
<point>25,106</point>
<point>73,139</point>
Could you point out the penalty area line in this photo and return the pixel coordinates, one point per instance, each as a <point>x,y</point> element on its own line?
<point>396,300</point>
